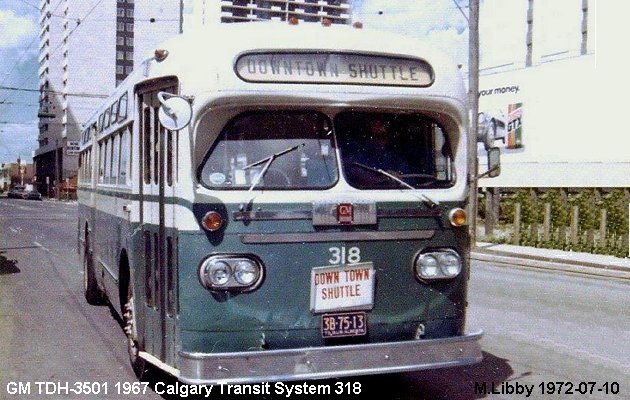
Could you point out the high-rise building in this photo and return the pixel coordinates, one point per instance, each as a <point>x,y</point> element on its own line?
<point>86,49</point>
<point>213,11</point>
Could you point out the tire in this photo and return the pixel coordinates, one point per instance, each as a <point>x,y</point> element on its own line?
<point>141,368</point>
<point>93,294</point>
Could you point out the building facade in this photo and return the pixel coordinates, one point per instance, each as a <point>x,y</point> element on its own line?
<point>86,49</point>
<point>213,11</point>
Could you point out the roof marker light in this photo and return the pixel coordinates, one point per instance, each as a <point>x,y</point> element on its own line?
<point>161,54</point>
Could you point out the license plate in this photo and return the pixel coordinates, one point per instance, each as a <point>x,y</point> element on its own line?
<point>344,324</point>
<point>342,287</point>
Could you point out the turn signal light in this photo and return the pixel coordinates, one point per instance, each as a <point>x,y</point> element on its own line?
<point>458,217</point>
<point>212,221</point>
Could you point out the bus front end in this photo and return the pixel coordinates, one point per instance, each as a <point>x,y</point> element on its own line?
<point>333,242</point>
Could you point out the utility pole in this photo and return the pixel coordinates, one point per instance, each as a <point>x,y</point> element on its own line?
<point>181,16</point>
<point>473,98</point>
<point>57,169</point>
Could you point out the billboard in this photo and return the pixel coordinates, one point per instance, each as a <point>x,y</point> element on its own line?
<point>555,127</point>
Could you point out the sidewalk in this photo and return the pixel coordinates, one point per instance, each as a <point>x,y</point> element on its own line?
<point>551,259</point>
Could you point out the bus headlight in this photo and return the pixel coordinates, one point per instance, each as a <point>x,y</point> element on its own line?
<point>427,266</point>
<point>218,273</point>
<point>438,264</point>
<point>246,272</point>
<point>231,273</point>
<point>450,264</point>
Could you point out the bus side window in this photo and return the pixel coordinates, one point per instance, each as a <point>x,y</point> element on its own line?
<point>122,107</point>
<point>155,125</point>
<point>101,162</point>
<point>115,158</point>
<point>124,156</point>
<point>146,139</point>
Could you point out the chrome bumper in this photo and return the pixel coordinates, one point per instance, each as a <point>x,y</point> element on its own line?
<point>328,362</point>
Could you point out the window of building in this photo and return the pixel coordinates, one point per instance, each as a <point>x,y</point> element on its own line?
<point>120,55</point>
<point>129,41</point>
<point>120,26</point>
<point>130,55</point>
<point>129,27</point>
<point>121,12</point>
<point>130,13</point>
<point>128,69</point>
<point>120,69</point>
<point>120,41</point>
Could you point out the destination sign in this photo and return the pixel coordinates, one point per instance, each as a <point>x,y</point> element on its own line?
<point>334,68</point>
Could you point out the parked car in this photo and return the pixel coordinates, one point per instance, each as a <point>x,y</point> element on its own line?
<point>16,192</point>
<point>32,195</point>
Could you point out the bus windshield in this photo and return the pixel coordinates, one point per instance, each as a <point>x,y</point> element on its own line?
<point>393,151</point>
<point>296,150</point>
<point>256,143</point>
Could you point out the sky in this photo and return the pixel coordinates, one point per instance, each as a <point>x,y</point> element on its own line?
<point>439,21</point>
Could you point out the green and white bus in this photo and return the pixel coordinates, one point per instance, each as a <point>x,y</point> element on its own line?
<point>273,202</point>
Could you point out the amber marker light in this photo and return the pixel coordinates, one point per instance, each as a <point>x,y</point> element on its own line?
<point>212,221</point>
<point>458,217</point>
<point>161,54</point>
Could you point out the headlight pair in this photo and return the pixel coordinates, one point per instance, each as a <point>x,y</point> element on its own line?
<point>438,264</point>
<point>231,272</point>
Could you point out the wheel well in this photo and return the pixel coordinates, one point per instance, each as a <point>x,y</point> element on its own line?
<point>123,282</point>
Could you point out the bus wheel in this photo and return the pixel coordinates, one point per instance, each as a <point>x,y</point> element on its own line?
<point>138,364</point>
<point>93,294</point>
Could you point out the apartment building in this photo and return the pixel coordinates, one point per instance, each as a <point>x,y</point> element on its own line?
<point>213,11</point>
<point>86,49</point>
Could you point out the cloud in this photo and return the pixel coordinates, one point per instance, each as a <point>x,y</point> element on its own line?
<point>438,22</point>
<point>18,140</point>
<point>15,30</point>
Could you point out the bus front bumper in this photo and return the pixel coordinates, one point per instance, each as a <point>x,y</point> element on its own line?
<point>328,362</point>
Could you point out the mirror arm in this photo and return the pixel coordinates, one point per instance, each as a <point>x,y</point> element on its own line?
<point>488,172</point>
<point>162,96</point>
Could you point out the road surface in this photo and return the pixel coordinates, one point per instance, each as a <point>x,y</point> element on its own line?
<point>541,328</point>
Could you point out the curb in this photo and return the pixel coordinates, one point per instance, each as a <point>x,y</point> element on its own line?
<point>550,264</point>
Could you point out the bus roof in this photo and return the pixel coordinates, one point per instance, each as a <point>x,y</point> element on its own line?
<point>205,59</point>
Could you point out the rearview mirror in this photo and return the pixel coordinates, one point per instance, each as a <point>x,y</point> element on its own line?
<point>494,162</point>
<point>175,112</point>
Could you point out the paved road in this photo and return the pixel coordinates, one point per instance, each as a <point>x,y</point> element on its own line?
<point>540,326</point>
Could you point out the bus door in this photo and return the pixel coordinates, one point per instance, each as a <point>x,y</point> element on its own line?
<point>157,191</point>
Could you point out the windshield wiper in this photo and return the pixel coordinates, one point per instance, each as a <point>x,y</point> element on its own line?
<point>267,161</point>
<point>431,203</point>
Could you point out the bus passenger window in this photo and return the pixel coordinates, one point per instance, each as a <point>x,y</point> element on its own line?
<point>291,149</point>
<point>146,139</point>
<point>124,155</point>
<point>155,125</point>
<point>115,158</point>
